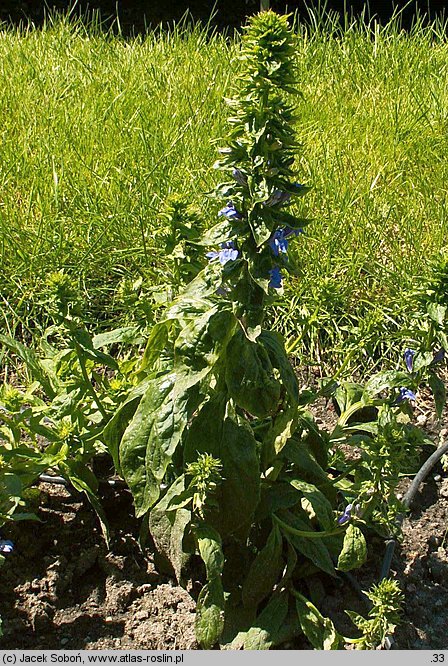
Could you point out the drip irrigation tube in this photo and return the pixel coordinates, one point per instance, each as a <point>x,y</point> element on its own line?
<point>407,501</point>
<point>60,481</point>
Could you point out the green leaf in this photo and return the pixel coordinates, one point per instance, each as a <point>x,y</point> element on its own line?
<point>316,441</point>
<point>234,445</point>
<point>319,630</point>
<point>385,380</point>
<point>209,623</point>
<point>311,546</point>
<point>32,362</point>
<point>282,428</point>
<point>437,313</point>
<point>250,377</point>
<point>168,527</point>
<point>260,231</point>
<point>115,428</point>
<point>128,335</point>
<point>422,360</point>
<point>321,506</point>
<point>156,343</point>
<point>199,346</point>
<point>85,481</point>
<point>219,233</point>
<point>239,492</point>
<point>151,438</point>
<point>85,343</point>
<point>205,434</point>
<point>296,451</point>
<point>268,626</point>
<point>210,606</point>
<point>264,570</point>
<point>210,550</point>
<point>439,392</point>
<point>274,344</point>
<point>354,549</point>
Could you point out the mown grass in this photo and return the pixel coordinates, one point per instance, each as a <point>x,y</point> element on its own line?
<point>96,131</point>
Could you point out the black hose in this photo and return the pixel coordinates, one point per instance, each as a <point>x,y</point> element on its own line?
<point>60,481</point>
<point>407,501</point>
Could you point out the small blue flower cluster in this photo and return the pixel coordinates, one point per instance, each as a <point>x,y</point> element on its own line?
<point>227,253</point>
<point>278,241</point>
<point>409,358</point>
<point>350,510</point>
<point>409,354</point>
<point>6,546</point>
<point>405,394</point>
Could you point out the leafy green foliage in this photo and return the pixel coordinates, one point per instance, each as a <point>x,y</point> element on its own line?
<point>207,424</point>
<point>387,600</point>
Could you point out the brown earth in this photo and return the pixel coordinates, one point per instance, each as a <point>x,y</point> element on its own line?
<point>62,588</point>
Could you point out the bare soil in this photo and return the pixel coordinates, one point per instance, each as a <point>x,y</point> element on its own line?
<point>63,589</point>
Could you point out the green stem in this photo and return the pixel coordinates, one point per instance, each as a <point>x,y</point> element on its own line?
<point>86,377</point>
<point>304,533</point>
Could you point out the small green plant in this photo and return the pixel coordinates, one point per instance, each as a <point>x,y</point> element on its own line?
<point>57,422</point>
<point>387,601</point>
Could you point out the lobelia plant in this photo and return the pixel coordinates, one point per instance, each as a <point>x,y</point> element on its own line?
<point>209,427</point>
<point>215,442</point>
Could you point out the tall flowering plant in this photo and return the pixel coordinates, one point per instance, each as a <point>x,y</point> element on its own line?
<point>223,459</point>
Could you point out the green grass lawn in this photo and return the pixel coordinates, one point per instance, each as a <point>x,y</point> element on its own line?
<point>96,131</point>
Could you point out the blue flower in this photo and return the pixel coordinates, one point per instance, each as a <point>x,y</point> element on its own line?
<point>227,253</point>
<point>230,212</point>
<point>405,394</point>
<point>279,197</point>
<point>239,176</point>
<point>409,358</point>
<point>345,517</point>
<point>279,242</point>
<point>439,356</point>
<point>6,546</point>
<point>276,278</point>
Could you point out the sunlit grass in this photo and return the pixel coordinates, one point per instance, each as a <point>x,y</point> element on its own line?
<point>96,131</point>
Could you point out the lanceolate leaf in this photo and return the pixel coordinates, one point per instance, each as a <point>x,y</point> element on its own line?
<point>234,445</point>
<point>240,489</point>
<point>319,630</point>
<point>115,428</point>
<point>250,377</point>
<point>155,345</point>
<point>311,547</point>
<point>275,347</point>
<point>210,605</point>
<point>296,451</point>
<point>168,527</point>
<point>85,481</point>
<point>32,362</point>
<point>319,503</point>
<point>151,438</point>
<point>85,343</point>
<point>199,345</point>
<point>128,335</point>
<point>267,627</point>
<point>439,392</point>
<point>384,380</point>
<point>264,571</point>
<point>205,435</point>
<point>354,550</point>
